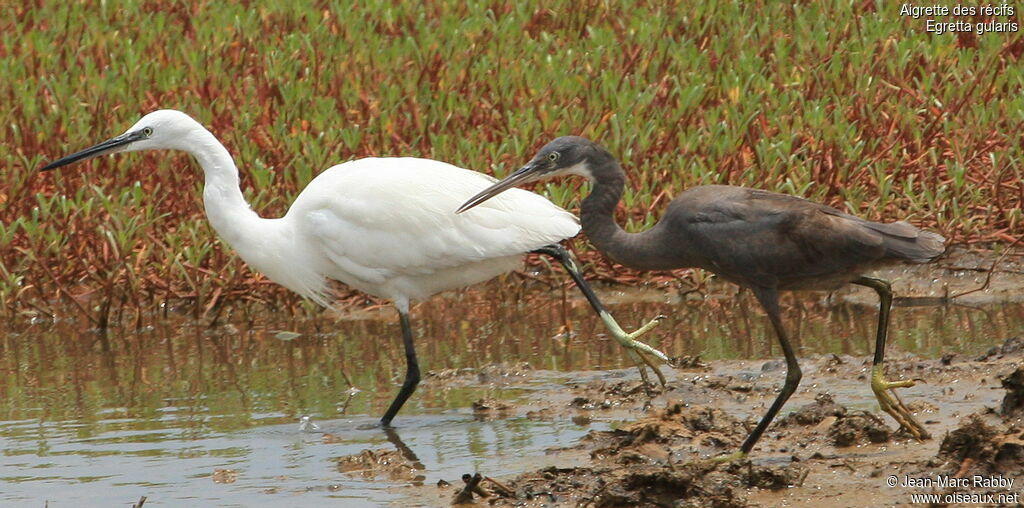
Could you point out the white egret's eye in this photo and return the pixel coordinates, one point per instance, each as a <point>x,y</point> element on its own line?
<point>553,156</point>
<point>147,131</point>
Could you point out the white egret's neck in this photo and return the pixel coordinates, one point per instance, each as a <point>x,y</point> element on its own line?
<point>266,245</point>
<point>226,208</point>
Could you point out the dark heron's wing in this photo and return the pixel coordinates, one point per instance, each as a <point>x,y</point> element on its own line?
<point>768,239</point>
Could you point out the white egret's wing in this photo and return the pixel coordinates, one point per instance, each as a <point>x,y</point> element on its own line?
<point>382,218</point>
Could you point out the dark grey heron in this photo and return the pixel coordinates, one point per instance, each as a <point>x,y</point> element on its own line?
<point>761,240</point>
<point>383,226</point>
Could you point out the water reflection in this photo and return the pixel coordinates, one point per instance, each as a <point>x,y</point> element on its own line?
<point>406,452</point>
<point>103,418</point>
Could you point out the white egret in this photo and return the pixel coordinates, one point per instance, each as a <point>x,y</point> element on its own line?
<point>384,226</point>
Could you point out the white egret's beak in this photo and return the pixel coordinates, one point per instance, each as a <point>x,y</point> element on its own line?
<point>108,146</point>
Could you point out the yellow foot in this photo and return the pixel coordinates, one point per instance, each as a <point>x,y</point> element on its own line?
<point>891,403</point>
<point>637,350</point>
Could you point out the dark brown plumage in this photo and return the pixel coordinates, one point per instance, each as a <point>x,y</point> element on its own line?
<point>761,240</point>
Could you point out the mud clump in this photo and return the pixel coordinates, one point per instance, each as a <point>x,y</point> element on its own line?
<point>1012,345</point>
<point>969,441</point>
<point>741,383</point>
<point>773,477</point>
<point>990,442</point>
<point>602,395</point>
<point>652,439</point>
<point>586,403</point>
<point>382,463</point>
<point>699,483</point>
<point>690,485</point>
<point>844,429</point>
<point>1013,401</point>
<point>639,465</point>
<point>857,429</point>
<point>490,409</point>
<point>703,419</point>
<point>814,413</point>
<point>980,446</point>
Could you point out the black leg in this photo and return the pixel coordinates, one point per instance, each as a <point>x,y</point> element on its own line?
<point>769,299</point>
<point>887,398</point>
<point>561,255</point>
<point>635,348</point>
<point>412,367</point>
<point>884,291</point>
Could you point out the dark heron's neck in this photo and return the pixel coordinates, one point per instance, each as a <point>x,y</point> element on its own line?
<point>597,213</point>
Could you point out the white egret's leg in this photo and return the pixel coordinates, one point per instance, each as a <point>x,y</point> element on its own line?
<point>412,366</point>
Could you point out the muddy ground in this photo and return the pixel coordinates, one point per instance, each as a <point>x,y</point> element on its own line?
<point>831,446</point>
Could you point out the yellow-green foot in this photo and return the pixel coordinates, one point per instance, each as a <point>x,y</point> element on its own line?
<point>638,351</point>
<point>891,403</point>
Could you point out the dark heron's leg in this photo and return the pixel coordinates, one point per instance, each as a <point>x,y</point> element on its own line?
<point>769,299</point>
<point>887,398</point>
<point>635,348</point>
<point>412,366</point>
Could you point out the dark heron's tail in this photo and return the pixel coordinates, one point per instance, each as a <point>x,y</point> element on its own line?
<point>904,241</point>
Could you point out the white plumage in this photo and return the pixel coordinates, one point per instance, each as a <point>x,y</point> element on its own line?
<point>385,226</point>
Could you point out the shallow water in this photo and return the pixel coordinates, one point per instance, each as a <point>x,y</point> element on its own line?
<point>118,460</point>
<point>102,419</point>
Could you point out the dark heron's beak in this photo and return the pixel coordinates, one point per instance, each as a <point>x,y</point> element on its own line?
<point>522,175</point>
<point>109,146</point>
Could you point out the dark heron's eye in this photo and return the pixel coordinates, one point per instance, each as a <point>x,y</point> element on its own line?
<point>553,156</point>
<point>147,131</point>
